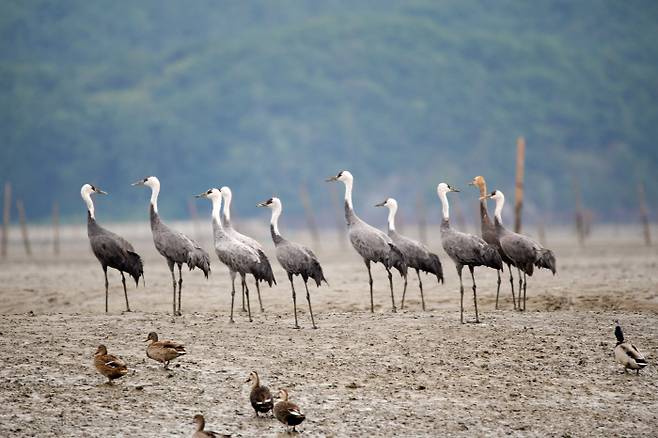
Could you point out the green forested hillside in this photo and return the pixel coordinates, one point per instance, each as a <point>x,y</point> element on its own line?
<point>264,96</point>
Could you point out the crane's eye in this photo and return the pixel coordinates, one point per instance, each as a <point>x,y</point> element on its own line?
<point>93,188</point>
<point>209,192</point>
<point>146,179</point>
<point>340,174</point>
<point>269,201</point>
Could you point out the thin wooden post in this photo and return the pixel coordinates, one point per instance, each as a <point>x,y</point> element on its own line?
<point>518,193</point>
<point>309,214</point>
<point>644,214</point>
<point>21,218</point>
<point>5,220</point>
<point>194,216</point>
<point>421,212</point>
<point>337,207</point>
<point>580,217</point>
<point>56,228</point>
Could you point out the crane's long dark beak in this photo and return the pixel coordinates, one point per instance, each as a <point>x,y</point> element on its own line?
<point>455,190</point>
<point>331,178</point>
<point>138,183</point>
<point>101,192</point>
<point>471,183</point>
<point>201,195</point>
<point>261,204</point>
<point>381,204</point>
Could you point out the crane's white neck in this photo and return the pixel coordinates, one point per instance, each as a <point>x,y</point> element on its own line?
<point>500,202</point>
<point>216,207</point>
<point>155,191</point>
<point>274,221</point>
<point>228,196</point>
<point>348,192</point>
<point>392,209</point>
<point>86,196</point>
<point>445,206</point>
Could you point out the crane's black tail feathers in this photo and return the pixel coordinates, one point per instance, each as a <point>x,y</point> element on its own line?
<point>396,259</point>
<point>434,266</point>
<point>316,273</point>
<point>198,258</point>
<point>546,260</point>
<point>134,266</point>
<point>263,271</point>
<point>491,258</point>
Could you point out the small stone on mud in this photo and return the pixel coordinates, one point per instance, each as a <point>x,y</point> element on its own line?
<point>352,385</point>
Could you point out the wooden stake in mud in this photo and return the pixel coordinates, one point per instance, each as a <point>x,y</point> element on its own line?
<point>309,214</point>
<point>580,217</point>
<point>421,212</point>
<point>56,228</point>
<point>337,207</point>
<point>21,218</point>
<point>5,220</point>
<point>644,215</point>
<point>518,193</point>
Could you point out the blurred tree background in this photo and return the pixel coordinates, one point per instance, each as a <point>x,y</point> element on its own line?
<point>267,95</point>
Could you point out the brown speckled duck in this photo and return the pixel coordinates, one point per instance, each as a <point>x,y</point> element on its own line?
<point>626,353</point>
<point>200,423</point>
<point>260,396</point>
<point>287,412</point>
<point>109,365</point>
<point>163,351</point>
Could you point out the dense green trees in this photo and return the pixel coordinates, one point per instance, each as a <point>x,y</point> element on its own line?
<point>266,95</point>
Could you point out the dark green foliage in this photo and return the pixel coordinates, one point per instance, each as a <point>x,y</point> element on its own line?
<point>263,96</point>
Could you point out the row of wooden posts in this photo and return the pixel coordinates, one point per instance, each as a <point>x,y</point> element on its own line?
<point>583,217</point>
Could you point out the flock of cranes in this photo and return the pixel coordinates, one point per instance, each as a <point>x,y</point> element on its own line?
<point>245,256</point>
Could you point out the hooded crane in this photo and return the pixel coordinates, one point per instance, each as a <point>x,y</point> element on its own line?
<point>264,271</point>
<point>175,247</point>
<point>489,235</point>
<point>110,249</point>
<point>524,252</point>
<point>237,256</point>
<point>465,249</point>
<point>294,258</point>
<point>371,244</point>
<point>417,255</point>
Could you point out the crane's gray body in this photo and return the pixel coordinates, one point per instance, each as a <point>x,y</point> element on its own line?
<point>524,252</point>
<point>373,244</point>
<point>113,251</point>
<point>467,249</point>
<point>176,247</point>
<point>263,271</point>
<point>296,259</point>
<point>237,256</point>
<point>417,255</point>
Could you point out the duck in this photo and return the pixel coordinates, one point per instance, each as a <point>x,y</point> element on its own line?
<point>200,424</point>
<point>260,396</point>
<point>626,353</point>
<point>109,365</point>
<point>288,412</point>
<point>163,351</point>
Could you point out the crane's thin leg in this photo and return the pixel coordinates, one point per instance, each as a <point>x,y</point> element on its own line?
<point>497,289</point>
<point>310,309</point>
<point>125,292</point>
<point>173,279</point>
<point>243,308</point>
<point>461,293</point>
<point>404,292</point>
<point>180,287</point>
<point>525,284</point>
<point>390,282</point>
<point>232,274</point>
<point>246,294</point>
<point>260,302</point>
<point>107,284</point>
<point>372,303</point>
<point>520,286</point>
<point>475,297</point>
<point>294,298</point>
<point>511,283</point>
<point>420,283</point>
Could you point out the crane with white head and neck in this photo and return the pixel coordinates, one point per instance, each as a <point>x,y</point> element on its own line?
<point>372,244</point>
<point>174,246</point>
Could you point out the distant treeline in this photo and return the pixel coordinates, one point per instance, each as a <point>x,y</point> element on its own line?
<point>266,96</point>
